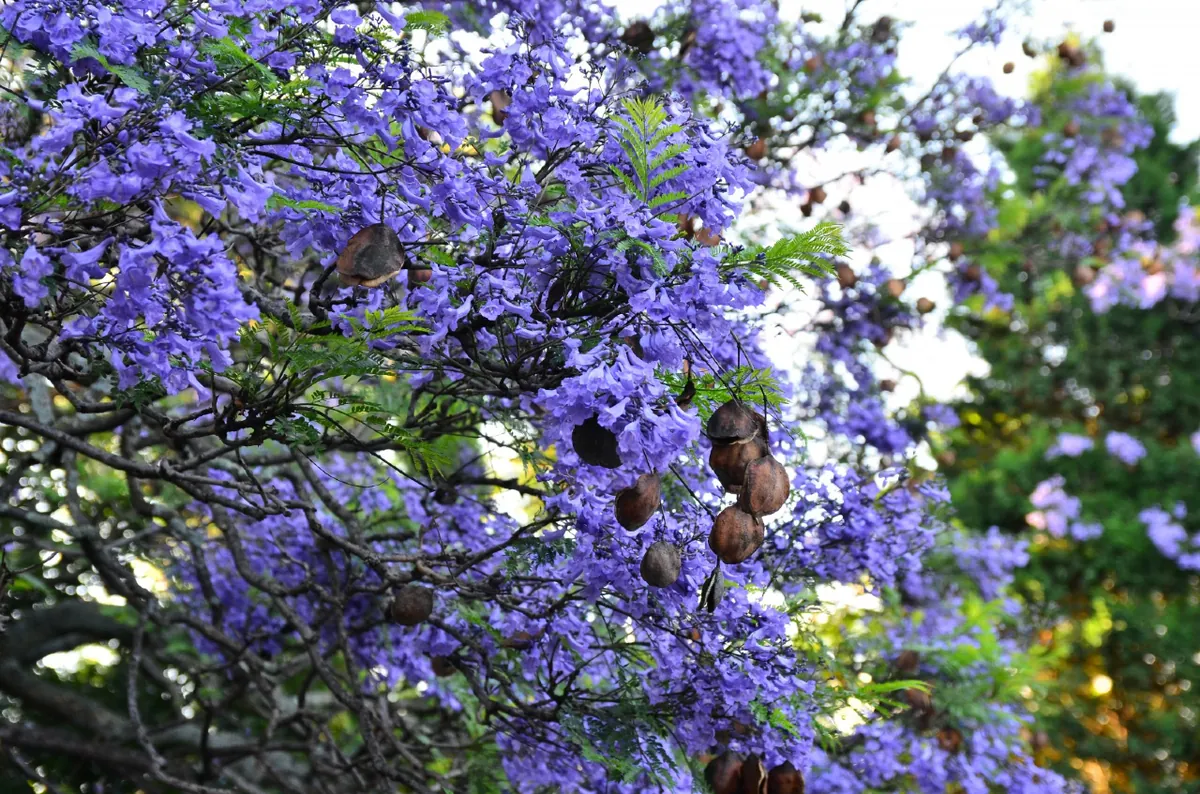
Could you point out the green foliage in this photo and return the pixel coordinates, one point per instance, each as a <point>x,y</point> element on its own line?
<point>127,75</point>
<point>809,253</point>
<point>750,384</point>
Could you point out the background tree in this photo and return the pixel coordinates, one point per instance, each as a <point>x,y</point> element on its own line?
<point>1084,420</point>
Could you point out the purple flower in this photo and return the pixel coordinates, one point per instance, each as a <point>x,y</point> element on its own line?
<point>1070,445</point>
<point>1124,447</point>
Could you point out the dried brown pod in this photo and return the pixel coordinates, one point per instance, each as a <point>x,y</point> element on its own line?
<point>411,604</point>
<point>957,249</point>
<point>712,590</point>
<point>639,36</point>
<point>371,257</point>
<point>919,700</point>
<point>442,666</point>
<point>1009,67</point>
<point>766,487</point>
<point>595,445</point>
<point>661,564</point>
<point>972,272</point>
<point>881,30</point>
<point>887,384</point>
<point>949,740</point>
<point>1071,129</point>
<point>844,207</point>
<point>1109,26</point>
<point>1028,49</point>
<point>520,641</point>
<point>419,273</point>
<point>1084,275</point>
<point>895,287</point>
<point>735,535</point>
<point>817,195</point>
<point>724,773</point>
<point>846,277</point>
<point>757,150</point>
<point>754,776</point>
<point>636,505</point>
<point>907,662</point>
<point>806,209</point>
<point>813,63</point>
<point>893,143</point>
<point>729,461</point>
<point>965,135</point>
<point>868,118</point>
<point>500,101</point>
<point>732,422</point>
<point>785,779</point>
<point>925,306</point>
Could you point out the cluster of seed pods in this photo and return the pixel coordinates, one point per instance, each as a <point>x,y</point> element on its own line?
<point>729,773</point>
<point>741,458</point>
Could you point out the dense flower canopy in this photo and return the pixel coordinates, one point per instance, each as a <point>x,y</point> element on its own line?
<point>351,321</point>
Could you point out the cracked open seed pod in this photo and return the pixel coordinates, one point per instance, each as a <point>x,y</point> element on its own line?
<point>729,461</point>
<point>785,779</point>
<point>724,773</point>
<point>636,505</point>
<point>371,257</point>
<point>735,535</point>
<point>661,564</point>
<point>595,445</point>
<point>766,487</point>
<point>754,775</point>
<point>412,604</point>
<point>733,422</point>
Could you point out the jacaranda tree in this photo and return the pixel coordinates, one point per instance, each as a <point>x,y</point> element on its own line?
<point>386,387</point>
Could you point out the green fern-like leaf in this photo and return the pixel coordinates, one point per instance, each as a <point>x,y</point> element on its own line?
<point>809,253</point>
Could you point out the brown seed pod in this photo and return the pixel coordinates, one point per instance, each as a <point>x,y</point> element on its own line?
<point>1071,128</point>
<point>371,257</point>
<point>893,143</point>
<point>907,662</point>
<point>919,700</point>
<point>733,422</point>
<point>639,36</point>
<point>636,505</point>
<point>846,277</point>
<point>965,135</point>
<point>813,63</point>
<point>411,604</point>
<point>724,773</point>
<point>925,306</point>
<point>887,384</point>
<point>1109,26</point>
<point>766,488</point>
<point>785,779</point>
<point>419,274</point>
<point>956,250</point>
<point>1009,67</point>
<point>844,207</point>
<point>661,564</point>
<point>442,666</point>
<point>1028,49</point>
<point>500,101</point>
<point>817,195</point>
<point>1084,275</point>
<point>595,445</point>
<point>972,273</point>
<point>949,740</point>
<point>754,776</point>
<point>806,209</point>
<point>895,287</point>
<point>521,641</point>
<point>729,461</point>
<point>757,150</point>
<point>735,535</point>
